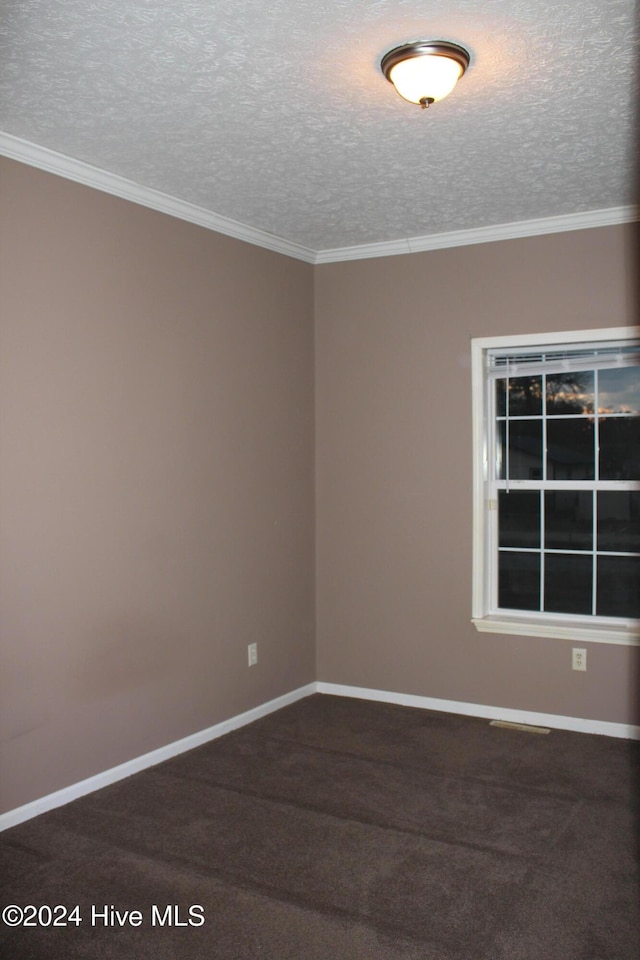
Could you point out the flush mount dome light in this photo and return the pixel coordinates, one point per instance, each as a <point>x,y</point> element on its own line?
<point>425,71</point>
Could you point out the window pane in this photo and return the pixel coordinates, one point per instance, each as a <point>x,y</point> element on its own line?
<point>570,449</point>
<point>525,450</point>
<point>525,397</point>
<point>501,460</point>
<point>568,520</point>
<point>620,448</point>
<point>519,518</point>
<point>570,392</point>
<point>619,521</point>
<point>619,391</point>
<point>519,581</point>
<point>618,587</point>
<point>567,583</point>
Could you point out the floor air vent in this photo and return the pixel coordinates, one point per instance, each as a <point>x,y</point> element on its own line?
<point>526,727</point>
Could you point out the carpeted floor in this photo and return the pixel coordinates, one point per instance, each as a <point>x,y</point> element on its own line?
<point>340,828</point>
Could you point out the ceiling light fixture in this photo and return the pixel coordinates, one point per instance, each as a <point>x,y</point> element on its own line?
<point>425,71</point>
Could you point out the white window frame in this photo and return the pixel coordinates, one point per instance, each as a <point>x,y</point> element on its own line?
<point>484,618</point>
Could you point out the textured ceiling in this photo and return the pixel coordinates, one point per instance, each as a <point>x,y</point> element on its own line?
<point>275,114</point>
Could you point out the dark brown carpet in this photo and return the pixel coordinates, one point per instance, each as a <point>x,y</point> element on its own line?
<point>339,828</point>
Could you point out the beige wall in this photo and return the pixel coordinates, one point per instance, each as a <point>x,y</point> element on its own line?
<point>394,467</point>
<point>157,475</point>
<point>156,480</point>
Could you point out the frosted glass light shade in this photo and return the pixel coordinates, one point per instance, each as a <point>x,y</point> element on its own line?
<point>425,72</point>
<point>431,78</point>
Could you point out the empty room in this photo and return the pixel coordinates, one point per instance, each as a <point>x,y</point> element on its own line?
<point>319,480</point>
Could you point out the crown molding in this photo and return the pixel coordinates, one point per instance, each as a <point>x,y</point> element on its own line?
<point>44,159</point>
<point>52,162</point>
<point>502,231</point>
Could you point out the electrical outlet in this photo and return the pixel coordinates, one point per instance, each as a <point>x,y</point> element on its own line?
<point>252,650</point>
<point>578,659</point>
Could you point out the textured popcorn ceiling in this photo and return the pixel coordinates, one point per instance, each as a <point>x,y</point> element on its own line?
<point>274,113</point>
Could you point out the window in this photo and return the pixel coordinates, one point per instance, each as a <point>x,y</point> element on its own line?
<point>557,485</point>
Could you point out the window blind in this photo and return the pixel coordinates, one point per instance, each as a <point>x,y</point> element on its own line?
<point>510,363</point>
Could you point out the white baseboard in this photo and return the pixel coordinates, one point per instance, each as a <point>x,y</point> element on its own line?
<point>13,817</point>
<point>576,724</point>
<point>603,727</point>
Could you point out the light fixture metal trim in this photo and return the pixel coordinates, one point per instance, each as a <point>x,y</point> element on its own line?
<point>425,48</point>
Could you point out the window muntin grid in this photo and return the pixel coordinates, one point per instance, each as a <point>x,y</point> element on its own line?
<point>561,435</point>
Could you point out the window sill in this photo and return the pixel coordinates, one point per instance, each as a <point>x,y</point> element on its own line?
<point>625,635</point>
